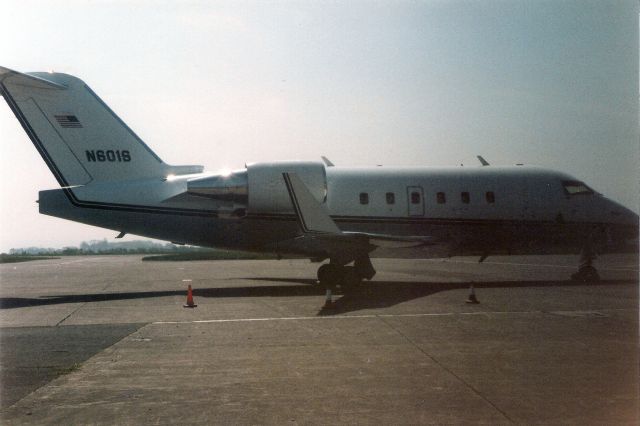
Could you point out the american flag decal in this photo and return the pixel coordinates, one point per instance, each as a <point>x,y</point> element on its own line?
<point>68,121</point>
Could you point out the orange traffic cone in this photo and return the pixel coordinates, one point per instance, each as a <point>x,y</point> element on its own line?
<point>190,303</point>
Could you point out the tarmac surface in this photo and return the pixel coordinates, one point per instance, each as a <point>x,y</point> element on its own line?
<point>106,340</point>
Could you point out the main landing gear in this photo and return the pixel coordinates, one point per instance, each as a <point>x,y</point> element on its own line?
<point>587,273</point>
<point>334,274</point>
<point>331,275</point>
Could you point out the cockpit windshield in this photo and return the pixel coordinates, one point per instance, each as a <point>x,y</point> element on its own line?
<point>574,187</point>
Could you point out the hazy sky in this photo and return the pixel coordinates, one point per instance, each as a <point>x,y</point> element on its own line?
<point>396,83</point>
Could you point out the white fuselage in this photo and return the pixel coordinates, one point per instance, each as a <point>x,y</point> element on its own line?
<point>467,210</point>
<point>465,193</point>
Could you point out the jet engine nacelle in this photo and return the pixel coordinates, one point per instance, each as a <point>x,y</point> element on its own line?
<point>261,186</point>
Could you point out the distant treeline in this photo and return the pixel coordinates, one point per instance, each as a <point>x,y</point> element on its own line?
<point>105,247</point>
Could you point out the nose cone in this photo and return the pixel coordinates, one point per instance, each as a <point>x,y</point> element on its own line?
<point>621,215</point>
<point>623,225</point>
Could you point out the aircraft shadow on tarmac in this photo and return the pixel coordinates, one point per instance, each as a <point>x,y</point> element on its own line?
<point>370,295</point>
<point>384,294</point>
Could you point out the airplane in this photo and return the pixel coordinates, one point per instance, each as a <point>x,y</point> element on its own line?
<point>312,209</point>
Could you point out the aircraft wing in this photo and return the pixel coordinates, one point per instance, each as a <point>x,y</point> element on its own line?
<point>393,241</point>
<point>317,225</point>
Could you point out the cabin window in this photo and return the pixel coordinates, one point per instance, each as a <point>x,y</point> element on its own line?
<point>364,198</point>
<point>464,196</point>
<point>491,197</point>
<point>574,187</point>
<point>441,198</point>
<point>415,198</point>
<point>391,198</point>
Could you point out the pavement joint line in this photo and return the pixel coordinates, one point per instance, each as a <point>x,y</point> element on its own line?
<point>71,313</point>
<point>80,307</point>
<point>448,370</point>
<point>75,310</point>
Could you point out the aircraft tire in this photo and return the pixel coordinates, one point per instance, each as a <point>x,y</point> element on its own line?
<point>330,275</point>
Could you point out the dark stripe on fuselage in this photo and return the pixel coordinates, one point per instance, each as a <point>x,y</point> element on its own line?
<point>423,220</point>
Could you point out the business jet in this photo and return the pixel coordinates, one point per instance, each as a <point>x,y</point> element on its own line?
<point>110,178</point>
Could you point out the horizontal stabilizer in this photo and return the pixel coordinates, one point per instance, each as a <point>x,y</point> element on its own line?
<point>184,170</point>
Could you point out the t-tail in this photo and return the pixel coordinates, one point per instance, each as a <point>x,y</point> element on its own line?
<point>79,137</point>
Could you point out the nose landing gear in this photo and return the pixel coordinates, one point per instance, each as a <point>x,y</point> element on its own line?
<point>586,271</point>
<point>586,274</point>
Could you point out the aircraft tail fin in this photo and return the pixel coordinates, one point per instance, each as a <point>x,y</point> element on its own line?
<point>80,138</point>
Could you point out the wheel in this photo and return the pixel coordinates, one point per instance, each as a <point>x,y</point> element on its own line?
<point>330,275</point>
<point>324,273</point>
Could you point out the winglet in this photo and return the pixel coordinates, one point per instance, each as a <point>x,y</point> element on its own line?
<point>312,215</point>
<point>482,160</point>
<point>327,162</point>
